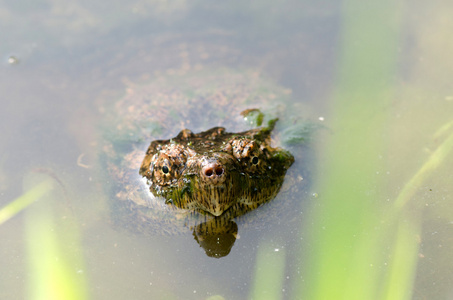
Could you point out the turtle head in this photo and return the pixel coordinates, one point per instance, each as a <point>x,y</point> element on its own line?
<point>212,171</point>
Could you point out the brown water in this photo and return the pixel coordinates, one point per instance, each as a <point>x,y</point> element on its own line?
<point>72,56</point>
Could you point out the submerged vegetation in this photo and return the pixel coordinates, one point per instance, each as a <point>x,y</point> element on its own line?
<point>55,263</point>
<point>364,237</point>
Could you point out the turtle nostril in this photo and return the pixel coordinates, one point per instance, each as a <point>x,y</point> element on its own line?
<point>218,170</point>
<point>208,172</point>
<point>213,170</point>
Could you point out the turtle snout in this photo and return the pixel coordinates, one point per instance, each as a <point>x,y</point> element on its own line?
<point>213,172</point>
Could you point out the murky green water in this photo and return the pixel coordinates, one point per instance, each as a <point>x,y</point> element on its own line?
<point>62,61</point>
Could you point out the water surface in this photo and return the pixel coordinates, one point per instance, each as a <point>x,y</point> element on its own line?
<point>61,60</point>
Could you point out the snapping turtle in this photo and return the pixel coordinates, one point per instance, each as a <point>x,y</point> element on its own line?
<point>215,171</point>
<point>194,182</point>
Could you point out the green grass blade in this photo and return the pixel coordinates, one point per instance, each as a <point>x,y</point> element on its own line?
<point>52,244</point>
<point>435,159</point>
<point>348,243</point>
<point>269,270</point>
<point>22,202</point>
<point>399,280</point>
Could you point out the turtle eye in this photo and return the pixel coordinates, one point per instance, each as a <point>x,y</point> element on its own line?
<point>165,170</point>
<point>255,160</point>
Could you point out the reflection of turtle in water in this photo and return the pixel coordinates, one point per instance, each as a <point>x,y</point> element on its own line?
<point>193,183</point>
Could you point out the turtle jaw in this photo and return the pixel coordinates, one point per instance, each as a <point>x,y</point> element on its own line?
<point>217,211</point>
<point>205,195</point>
<point>195,194</point>
<point>217,201</point>
<point>214,200</point>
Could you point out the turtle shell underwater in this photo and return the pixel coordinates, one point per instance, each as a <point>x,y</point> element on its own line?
<point>165,182</point>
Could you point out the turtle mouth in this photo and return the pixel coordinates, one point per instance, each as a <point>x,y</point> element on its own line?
<point>217,213</point>
<point>215,199</point>
<point>216,210</point>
